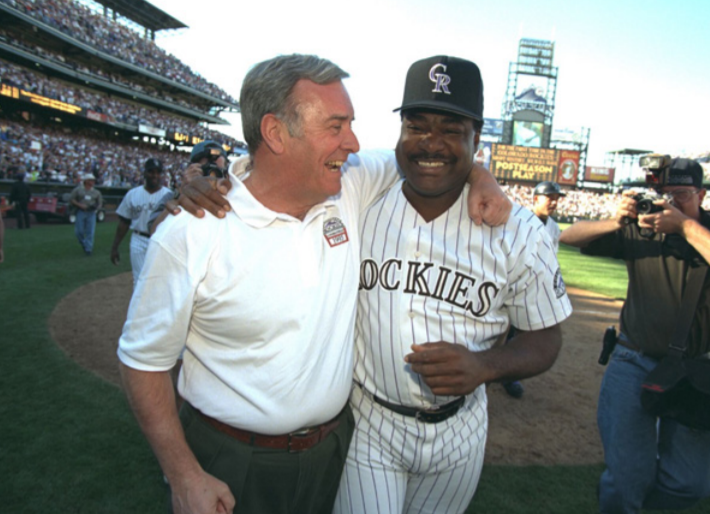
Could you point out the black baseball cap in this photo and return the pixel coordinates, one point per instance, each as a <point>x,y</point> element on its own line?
<point>153,164</point>
<point>685,172</point>
<point>548,188</point>
<point>204,149</point>
<point>446,84</point>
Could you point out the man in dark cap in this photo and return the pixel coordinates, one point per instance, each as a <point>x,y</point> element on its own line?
<point>134,214</point>
<point>652,463</point>
<point>436,292</point>
<point>545,197</point>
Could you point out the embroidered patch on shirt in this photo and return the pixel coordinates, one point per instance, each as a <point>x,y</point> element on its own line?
<point>335,232</point>
<point>559,284</point>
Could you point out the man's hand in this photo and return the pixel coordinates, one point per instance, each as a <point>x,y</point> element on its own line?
<point>199,193</point>
<point>626,210</point>
<point>487,202</point>
<point>203,494</point>
<point>448,369</point>
<point>668,221</point>
<point>115,256</point>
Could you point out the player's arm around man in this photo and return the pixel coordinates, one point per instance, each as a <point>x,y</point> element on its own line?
<point>487,203</point>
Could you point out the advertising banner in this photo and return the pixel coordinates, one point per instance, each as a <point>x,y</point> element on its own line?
<point>599,174</point>
<point>492,127</point>
<point>523,163</point>
<point>568,167</point>
<point>150,130</point>
<point>483,155</point>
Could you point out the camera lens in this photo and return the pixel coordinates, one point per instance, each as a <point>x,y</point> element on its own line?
<point>644,206</point>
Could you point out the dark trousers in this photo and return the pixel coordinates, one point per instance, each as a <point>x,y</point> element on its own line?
<point>266,481</point>
<point>23,216</point>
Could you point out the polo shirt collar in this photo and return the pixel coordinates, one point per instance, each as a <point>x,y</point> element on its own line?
<point>253,212</point>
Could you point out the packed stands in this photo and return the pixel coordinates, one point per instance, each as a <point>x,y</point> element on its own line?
<point>81,92</point>
<point>79,22</point>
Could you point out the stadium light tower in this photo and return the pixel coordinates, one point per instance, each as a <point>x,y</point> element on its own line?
<point>529,105</point>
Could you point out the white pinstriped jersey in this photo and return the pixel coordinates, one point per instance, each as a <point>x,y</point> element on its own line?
<point>446,280</point>
<point>553,230</point>
<point>138,205</point>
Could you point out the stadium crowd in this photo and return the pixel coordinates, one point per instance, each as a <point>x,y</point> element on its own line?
<point>79,22</point>
<point>97,72</point>
<point>65,155</point>
<point>117,109</point>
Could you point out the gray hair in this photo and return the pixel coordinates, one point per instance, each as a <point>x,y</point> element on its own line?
<point>267,90</point>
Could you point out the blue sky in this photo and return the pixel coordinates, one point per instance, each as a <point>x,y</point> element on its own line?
<point>637,73</point>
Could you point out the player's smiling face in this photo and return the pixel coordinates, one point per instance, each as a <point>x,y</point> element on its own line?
<point>325,138</point>
<point>435,151</point>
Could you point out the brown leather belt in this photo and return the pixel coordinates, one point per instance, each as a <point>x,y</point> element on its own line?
<point>294,442</point>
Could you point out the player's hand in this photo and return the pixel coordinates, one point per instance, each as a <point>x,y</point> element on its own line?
<point>2,256</point>
<point>204,494</point>
<point>115,256</point>
<point>626,210</point>
<point>448,369</point>
<point>202,193</point>
<point>668,221</point>
<point>487,202</point>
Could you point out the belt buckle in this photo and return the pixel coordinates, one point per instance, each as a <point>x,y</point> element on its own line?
<point>304,432</point>
<point>431,416</point>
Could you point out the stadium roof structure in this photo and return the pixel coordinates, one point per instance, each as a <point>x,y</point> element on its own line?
<point>144,14</point>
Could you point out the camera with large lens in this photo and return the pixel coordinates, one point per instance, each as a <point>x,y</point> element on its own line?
<point>210,168</point>
<point>211,151</point>
<point>645,205</point>
<point>656,167</point>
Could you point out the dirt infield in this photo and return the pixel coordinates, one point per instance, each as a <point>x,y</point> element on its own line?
<point>554,422</point>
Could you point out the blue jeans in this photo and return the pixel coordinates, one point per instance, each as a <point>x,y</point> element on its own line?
<point>651,463</point>
<point>84,229</point>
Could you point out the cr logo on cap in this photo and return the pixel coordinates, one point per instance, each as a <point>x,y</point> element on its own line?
<point>440,79</point>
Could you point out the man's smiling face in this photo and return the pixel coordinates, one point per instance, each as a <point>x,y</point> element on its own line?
<point>435,151</point>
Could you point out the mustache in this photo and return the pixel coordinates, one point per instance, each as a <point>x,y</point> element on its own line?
<point>424,156</point>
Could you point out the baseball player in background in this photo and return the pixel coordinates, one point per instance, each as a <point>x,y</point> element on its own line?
<point>545,197</point>
<point>134,214</point>
<point>436,291</point>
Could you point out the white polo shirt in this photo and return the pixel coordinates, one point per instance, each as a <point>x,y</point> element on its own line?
<point>264,304</point>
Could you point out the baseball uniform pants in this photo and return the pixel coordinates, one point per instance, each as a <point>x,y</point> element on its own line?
<point>397,464</point>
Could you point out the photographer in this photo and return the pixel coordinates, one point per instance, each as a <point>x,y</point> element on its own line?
<point>87,200</point>
<point>652,463</point>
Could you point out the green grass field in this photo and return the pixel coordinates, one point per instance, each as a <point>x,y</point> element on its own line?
<point>70,444</point>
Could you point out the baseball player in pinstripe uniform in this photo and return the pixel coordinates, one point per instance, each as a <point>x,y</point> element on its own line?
<point>134,214</point>
<point>545,197</point>
<point>436,291</point>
